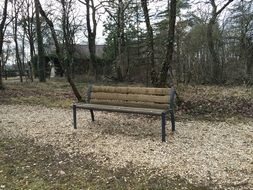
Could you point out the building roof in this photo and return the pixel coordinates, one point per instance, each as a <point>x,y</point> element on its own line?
<point>80,49</point>
<point>84,50</point>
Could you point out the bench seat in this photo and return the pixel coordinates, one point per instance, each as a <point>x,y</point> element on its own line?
<point>135,100</point>
<point>123,109</point>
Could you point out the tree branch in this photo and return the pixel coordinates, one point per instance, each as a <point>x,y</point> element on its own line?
<point>224,6</point>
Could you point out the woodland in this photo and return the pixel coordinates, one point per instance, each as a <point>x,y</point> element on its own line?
<point>180,41</point>
<point>51,51</point>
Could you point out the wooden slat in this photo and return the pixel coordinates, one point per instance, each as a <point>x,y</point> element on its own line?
<point>121,109</point>
<point>130,97</point>
<point>130,104</point>
<point>131,90</point>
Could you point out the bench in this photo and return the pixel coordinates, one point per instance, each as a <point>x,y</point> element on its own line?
<point>136,100</point>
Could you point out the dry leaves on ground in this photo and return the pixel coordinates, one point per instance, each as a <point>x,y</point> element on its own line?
<point>207,153</point>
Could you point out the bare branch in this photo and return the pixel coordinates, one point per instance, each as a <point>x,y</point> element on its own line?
<point>224,6</point>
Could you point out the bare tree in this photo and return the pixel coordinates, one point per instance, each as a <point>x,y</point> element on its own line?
<point>59,52</point>
<point>17,5</point>
<point>29,29</point>
<point>243,21</point>
<point>41,58</point>
<point>69,28</point>
<point>167,64</point>
<point>216,77</point>
<point>91,23</point>
<point>2,31</point>
<point>150,42</point>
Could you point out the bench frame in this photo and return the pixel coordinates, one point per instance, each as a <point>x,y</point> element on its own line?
<point>169,110</point>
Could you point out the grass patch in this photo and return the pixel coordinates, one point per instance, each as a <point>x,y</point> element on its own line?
<point>195,102</point>
<point>53,93</point>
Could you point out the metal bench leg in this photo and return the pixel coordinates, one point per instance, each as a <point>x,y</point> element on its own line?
<point>163,127</point>
<point>74,116</point>
<point>172,121</point>
<point>92,115</point>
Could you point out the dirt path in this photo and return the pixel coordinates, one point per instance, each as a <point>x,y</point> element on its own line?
<point>202,152</point>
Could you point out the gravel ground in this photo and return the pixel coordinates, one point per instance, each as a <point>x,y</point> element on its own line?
<point>210,153</point>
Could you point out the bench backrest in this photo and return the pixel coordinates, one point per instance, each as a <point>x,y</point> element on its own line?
<point>132,96</point>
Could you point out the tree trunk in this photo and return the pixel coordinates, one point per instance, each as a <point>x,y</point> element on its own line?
<point>41,58</point>
<point>2,26</point>
<point>28,28</point>
<point>249,65</point>
<point>23,56</point>
<point>216,76</point>
<point>214,55</point>
<point>31,55</point>
<point>120,41</point>
<point>150,40</point>
<point>167,64</point>
<point>15,35</point>
<point>91,37</point>
<point>1,77</point>
<point>4,61</point>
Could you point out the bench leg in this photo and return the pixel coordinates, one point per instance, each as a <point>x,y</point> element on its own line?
<point>163,127</point>
<point>92,115</point>
<point>74,116</point>
<point>172,121</point>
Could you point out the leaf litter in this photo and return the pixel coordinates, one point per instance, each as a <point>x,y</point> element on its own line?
<point>202,152</point>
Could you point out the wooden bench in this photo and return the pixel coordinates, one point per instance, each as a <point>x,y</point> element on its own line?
<point>136,100</point>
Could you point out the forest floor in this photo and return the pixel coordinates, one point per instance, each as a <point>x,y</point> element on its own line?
<point>39,149</point>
